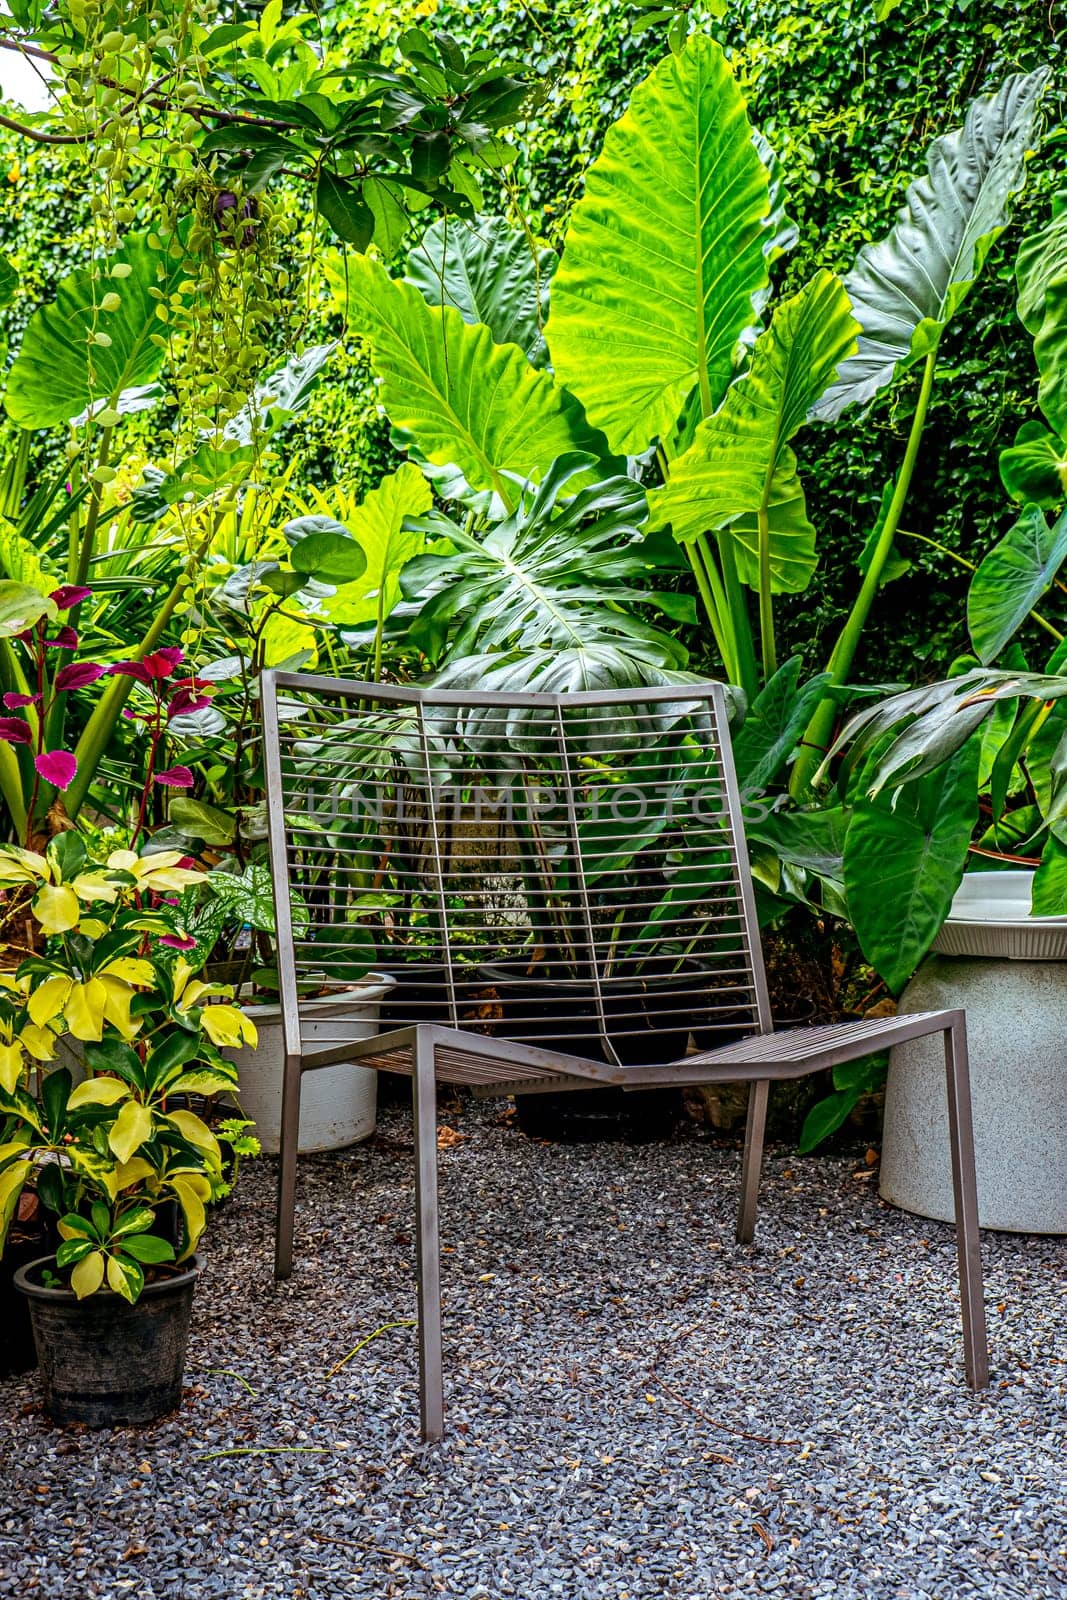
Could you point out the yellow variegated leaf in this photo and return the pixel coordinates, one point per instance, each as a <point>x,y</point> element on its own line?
<point>124,860</point>
<point>118,997</point>
<point>56,908</point>
<point>47,1001</point>
<point>126,1281</point>
<point>98,1092</point>
<point>134,1171</point>
<point>22,866</point>
<point>132,1127</point>
<point>131,969</point>
<point>92,928</point>
<point>84,1009</point>
<point>39,1042</point>
<point>11,1181</point>
<point>96,886</point>
<point>191,1192</point>
<point>10,1067</point>
<point>88,1275</point>
<point>99,1169</point>
<point>227,1026</point>
<point>197,1132</point>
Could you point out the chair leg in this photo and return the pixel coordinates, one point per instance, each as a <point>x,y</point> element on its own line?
<point>752,1164</point>
<point>431,1380</point>
<point>288,1145</point>
<point>965,1195</point>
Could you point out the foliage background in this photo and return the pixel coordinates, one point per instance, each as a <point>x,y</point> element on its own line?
<point>850,103</point>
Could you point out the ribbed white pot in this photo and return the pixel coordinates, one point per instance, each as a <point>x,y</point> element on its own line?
<point>1008,971</point>
<point>338,1105</point>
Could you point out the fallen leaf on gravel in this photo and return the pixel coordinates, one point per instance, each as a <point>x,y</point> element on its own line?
<point>447,1137</point>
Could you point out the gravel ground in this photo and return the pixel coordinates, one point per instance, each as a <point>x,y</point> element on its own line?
<point>636,1407</point>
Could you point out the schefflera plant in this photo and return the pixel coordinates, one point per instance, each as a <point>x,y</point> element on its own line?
<point>107,1155</point>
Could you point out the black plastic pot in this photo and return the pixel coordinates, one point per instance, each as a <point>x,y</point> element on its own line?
<point>104,1362</point>
<point>420,994</point>
<point>17,1350</point>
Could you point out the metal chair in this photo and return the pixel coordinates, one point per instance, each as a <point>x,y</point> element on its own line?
<point>490,850</point>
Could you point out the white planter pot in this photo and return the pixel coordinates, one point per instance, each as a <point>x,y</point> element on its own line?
<point>337,1104</point>
<point>1008,971</point>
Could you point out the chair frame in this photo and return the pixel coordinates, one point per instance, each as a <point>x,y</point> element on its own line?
<point>430,1053</point>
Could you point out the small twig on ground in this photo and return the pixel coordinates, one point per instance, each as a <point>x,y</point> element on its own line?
<point>365,1544</point>
<point>265,1450</point>
<point>386,1327</point>
<point>674,1340</point>
<point>227,1372</point>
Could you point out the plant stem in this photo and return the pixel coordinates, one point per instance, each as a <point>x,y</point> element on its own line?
<point>746,674</point>
<point>816,739</point>
<point>766,606</point>
<point>92,515</point>
<point>716,612</point>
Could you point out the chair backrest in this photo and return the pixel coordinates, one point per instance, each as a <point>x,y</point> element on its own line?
<point>568,870</point>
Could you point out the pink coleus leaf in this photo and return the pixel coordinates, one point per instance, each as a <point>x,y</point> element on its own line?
<point>175,942</point>
<point>174,778</point>
<point>77,675</point>
<point>57,767</point>
<point>14,702</point>
<point>184,704</point>
<point>69,595</point>
<point>65,639</point>
<point>14,731</point>
<point>158,664</point>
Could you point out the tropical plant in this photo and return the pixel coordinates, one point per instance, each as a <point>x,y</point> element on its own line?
<point>109,1155</point>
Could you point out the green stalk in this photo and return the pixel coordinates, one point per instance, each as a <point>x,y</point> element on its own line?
<point>820,729</point>
<point>766,605</point>
<point>92,515</point>
<point>714,599</point>
<point>11,789</point>
<point>747,675</point>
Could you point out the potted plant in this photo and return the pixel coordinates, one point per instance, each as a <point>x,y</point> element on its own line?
<point>122,1161</point>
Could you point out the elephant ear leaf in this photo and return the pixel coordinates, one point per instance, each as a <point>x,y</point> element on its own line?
<point>1011,580</point>
<point>474,414</point>
<point>665,260</point>
<point>490,273</point>
<point>77,355</point>
<point>1034,469</point>
<point>740,466</point>
<point>381,526</point>
<point>905,288</point>
<point>9,281</point>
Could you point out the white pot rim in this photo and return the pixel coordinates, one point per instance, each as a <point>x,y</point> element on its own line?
<point>366,991</point>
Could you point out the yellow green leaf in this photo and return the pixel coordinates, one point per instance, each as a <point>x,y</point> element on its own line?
<point>197,1132</point>
<point>88,1275</point>
<point>11,1182</point>
<point>98,1092</point>
<point>134,1171</point>
<point>56,908</point>
<point>191,1191</point>
<point>47,1001</point>
<point>10,1067</point>
<point>84,1009</point>
<point>96,886</point>
<point>132,1127</point>
<point>228,1027</point>
<point>39,1042</point>
<point>131,969</point>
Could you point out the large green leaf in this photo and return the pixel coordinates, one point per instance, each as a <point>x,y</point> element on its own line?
<point>21,606</point>
<point>471,411</point>
<point>553,575</point>
<point>905,288</point>
<point>1049,895</point>
<point>1041,262</point>
<point>665,257</point>
<point>9,281</point>
<point>59,372</point>
<point>1011,580</point>
<point>904,860</point>
<point>1050,349</point>
<point>491,273</point>
<point>378,526</point>
<point>739,464</point>
<point>773,724</point>
<point>1034,468</point>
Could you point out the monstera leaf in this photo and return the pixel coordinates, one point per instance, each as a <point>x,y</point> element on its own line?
<point>490,273</point>
<point>905,288</point>
<point>378,526</point>
<point>1011,580</point>
<point>666,254</point>
<point>469,410</point>
<point>740,465</point>
<point>59,371</point>
<point>554,574</point>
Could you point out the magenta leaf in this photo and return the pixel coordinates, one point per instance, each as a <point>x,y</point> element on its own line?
<point>184,703</point>
<point>13,702</point>
<point>175,778</point>
<point>176,942</point>
<point>57,767</point>
<point>14,731</point>
<point>69,595</point>
<point>77,675</point>
<point>65,639</point>
<point>130,669</point>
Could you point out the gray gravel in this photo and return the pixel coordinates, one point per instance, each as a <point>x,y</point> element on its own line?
<point>637,1408</point>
